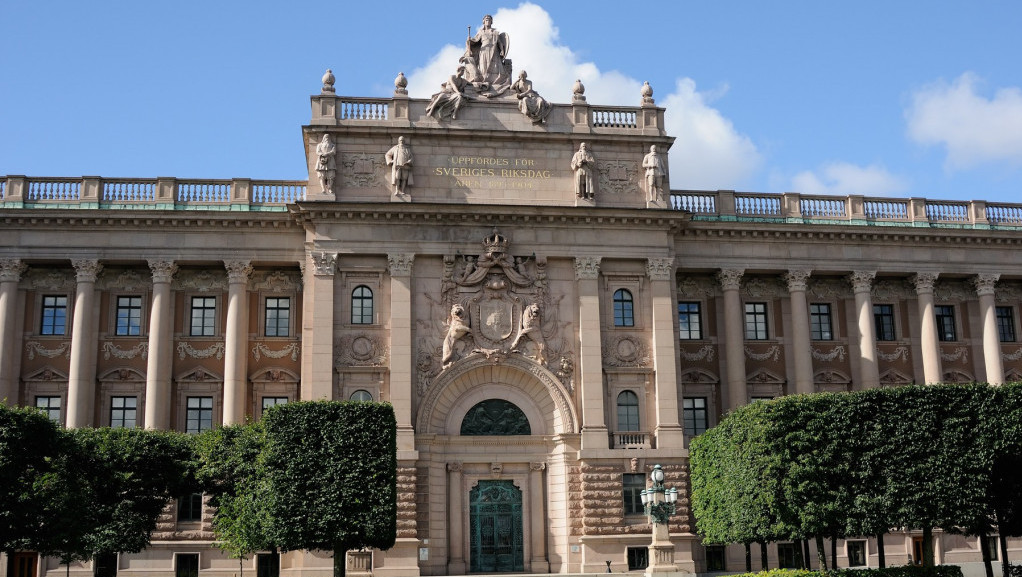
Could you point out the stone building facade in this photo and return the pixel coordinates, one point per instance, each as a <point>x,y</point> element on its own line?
<point>549,320</point>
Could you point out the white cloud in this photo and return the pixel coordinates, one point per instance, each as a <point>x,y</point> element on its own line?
<point>975,130</point>
<point>709,152</point>
<point>846,178</point>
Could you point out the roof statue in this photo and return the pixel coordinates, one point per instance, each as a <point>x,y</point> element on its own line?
<point>486,63</point>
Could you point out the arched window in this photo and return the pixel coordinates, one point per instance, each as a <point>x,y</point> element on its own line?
<point>362,305</point>
<point>361,395</point>
<point>623,309</point>
<point>627,411</point>
<point>495,417</point>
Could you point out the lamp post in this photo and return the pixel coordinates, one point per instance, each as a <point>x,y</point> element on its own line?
<point>659,504</point>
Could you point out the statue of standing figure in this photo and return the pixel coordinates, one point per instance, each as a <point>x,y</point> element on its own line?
<point>399,159</point>
<point>486,58</point>
<point>654,175</point>
<point>326,163</point>
<point>584,165</point>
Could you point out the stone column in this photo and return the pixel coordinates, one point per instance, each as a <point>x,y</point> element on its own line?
<point>537,519</point>
<point>236,342</point>
<point>991,340</point>
<point>801,349</point>
<point>862,284</point>
<point>81,381</point>
<point>734,337</point>
<point>11,270</point>
<point>665,346</point>
<point>318,327</point>
<point>455,521</point>
<point>594,427</point>
<point>161,347</point>
<point>924,282</point>
<point>401,365</point>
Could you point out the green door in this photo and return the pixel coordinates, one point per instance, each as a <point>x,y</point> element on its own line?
<point>496,526</point>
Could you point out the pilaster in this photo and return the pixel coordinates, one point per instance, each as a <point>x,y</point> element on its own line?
<point>160,361</point>
<point>456,512</point>
<point>537,519</point>
<point>11,270</point>
<point>401,365</point>
<point>236,345</point>
<point>669,433</point>
<point>594,427</point>
<point>318,327</point>
<point>81,385</point>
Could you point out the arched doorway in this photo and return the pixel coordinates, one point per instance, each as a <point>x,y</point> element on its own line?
<point>496,539</point>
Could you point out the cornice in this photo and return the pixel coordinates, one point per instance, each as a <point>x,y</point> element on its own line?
<point>830,234</point>
<point>101,219</point>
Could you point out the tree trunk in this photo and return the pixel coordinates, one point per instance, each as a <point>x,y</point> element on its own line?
<point>241,566</point>
<point>805,555</point>
<point>821,553</point>
<point>1005,566</point>
<point>880,551</point>
<point>984,548</point>
<point>833,553</point>
<point>748,558</point>
<point>340,560</point>
<point>928,547</point>
<point>763,555</point>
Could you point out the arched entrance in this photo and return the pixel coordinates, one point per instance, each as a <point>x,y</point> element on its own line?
<point>496,539</point>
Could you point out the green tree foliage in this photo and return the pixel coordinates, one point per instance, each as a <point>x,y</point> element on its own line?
<point>29,444</point>
<point>332,476</point>
<point>233,473</point>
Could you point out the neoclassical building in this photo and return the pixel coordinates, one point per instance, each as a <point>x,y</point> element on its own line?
<point>548,319</point>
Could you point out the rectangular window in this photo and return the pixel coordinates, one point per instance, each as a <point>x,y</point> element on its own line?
<point>129,316</point>
<point>695,416</point>
<point>945,323</point>
<point>856,553</point>
<point>820,325</point>
<point>272,402</point>
<point>715,558</point>
<point>105,565</point>
<point>200,414</point>
<point>690,321</point>
<point>187,565</point>
<point>278,316</point>
<point>1005,324</point>
<point>203,317</point>
<point>755,321</point>
<point>54,315</point>
<point>789,555</point>
<point>268,565</point>
<point>883,320</point>
<point>189,507</point>
<point>50,406</point>
<point>634,484</point>
<point>123,412</point>
<point>638,558</point>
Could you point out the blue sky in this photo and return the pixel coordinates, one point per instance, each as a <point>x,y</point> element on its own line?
<point>876,98</point>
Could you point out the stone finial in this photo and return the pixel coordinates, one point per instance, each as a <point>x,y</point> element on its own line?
<point>647,93</point>
<point>578,92</point>
<point>328,82</point>
<point>401,84</point>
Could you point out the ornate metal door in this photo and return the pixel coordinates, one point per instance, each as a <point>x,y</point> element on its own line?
<point>496,527</point>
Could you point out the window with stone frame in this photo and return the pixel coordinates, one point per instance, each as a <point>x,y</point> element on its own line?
<point>1005,324</point>
<point>186,565</point>
<point>54,315</point>
<point>199,415</point>
<point>50,405</point>
<point>129,316</point>
<point>695,415</point>
<point>123,412</point>
<point>189,508</point>
<point>883,322</point>
<point>362,305</point>
<point>203,319</point>
<point>361,395</point>
<point>627,411</point>
<point>638,558</point>
<point>277,316</point>
<point>690,321</point>
<point>624,308</point>
<point>856,553</point>
<point>756,322</point>
<point>821,322</point>
<point>631,494</point>
<point>946,331</point>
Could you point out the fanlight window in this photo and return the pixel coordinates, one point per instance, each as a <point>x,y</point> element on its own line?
<point>495,417</point>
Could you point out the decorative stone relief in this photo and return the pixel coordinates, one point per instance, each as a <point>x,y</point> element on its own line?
<point>697,287</point>
<point>625,351</point>
<point>185,349</point>
<point>325,263</point>
<point>1013,356</point>
<point>204,280</point>
<point>829,288</point>
<point>831,378</point>
<point>892,290</point>
<point>1008,292</point>
<point>954,290</point>
<point>704,354</point>
<point>587,268</point>
<point>277,281</point>
<point>49,279</point>
<point>109,349</point>
<point>400,264</point>
<point>11,269</point>
<point>797,279</point>
<point>892,377</point>
<point>33,348</point>
<point>294,350</point>
<point>900,352</point>
<point>361,170</point>
<point>959,354</point>
<point>660,268</point>
<point>764,288</point>
<point>861,280</point>
<point>730,278</point>
<point>773,353</point>
<point>618,176</point>
<point>86,270</point>
<point>163,270</point>
<point>837,352</point>
<point>985,283</point>
<point>923,281</point>
<point>361,350</point>
<point>455,466</point>
<point>238,271</point>
<point>125,280</point>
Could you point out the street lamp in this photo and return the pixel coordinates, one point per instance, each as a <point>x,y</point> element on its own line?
<point>659,503</point>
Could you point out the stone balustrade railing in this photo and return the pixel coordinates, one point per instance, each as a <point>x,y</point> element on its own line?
<point>854,209</point>
<point>149,193</point>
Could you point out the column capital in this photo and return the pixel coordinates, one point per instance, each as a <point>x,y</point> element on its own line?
<point>11,269</point>
<point>163,270</point>
<point>730,278</point>
<point>324,263</point>
<point>924,281</point>
<point>238,271</point>
<point>587,267</point>
<point>984,283</point>
<point>454,466</point>
<point>400,264</point>
<point>87,269</point>
<point>862,280</point>
<point>797,279</point>
<point>537,466</point>
<point>660,268</point>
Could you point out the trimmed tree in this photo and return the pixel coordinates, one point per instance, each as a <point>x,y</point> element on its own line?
<point>332,476</point>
